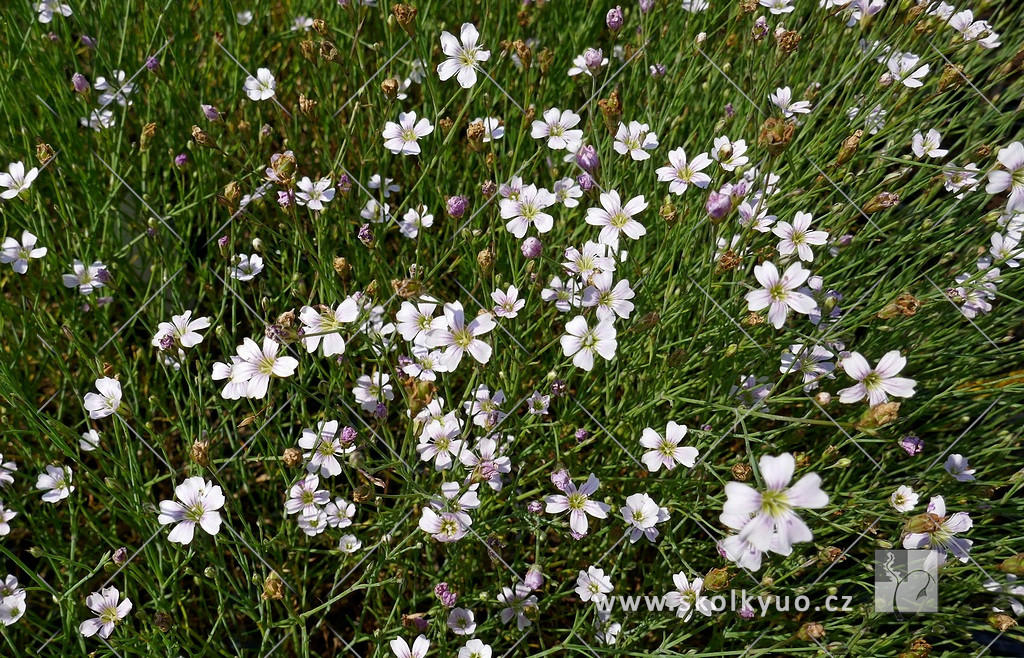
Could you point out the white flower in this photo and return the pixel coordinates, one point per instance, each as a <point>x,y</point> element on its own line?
<point>18,254</point>
<point>114,90</point>
<point>197,503</point>
<point>16,179</point>
<point>415,320</point>
<point>486,463</point>
<point>245,267</point>
<point>438,442</point>
<point>493,128</point>
<point>565,296</point>
<point>779,293</point>
<point>314,195</point>
<point>567,191</point>
<point>462,57</point>
<point>48,8</point>
<point>86,279</point>
<point>99,120</point>
<point>375,212</point>
<point>593,585</point>
<point>777,7</point>
<point>507,304</point>
<point>666,451</point>
<point>7,470</point>
<point>527,210</point>
<point>680,174</point>
<point>244,17</point>
<point>811,362</point>
<point>1012,158</point>
<point>5,516</point>
<point>325,324</point>
<point>904,68</point>
<point>782,98</point>
<point>445,527</point>
<point>635,139</point>
<point>875,384</point>
<point>957,466</point>
<point>90,441</point>
<point>578,504</point>
<point>415,219</point>
<point>616,219</point>
<point>797,236</point>
<point>903,499</point>
<point>349,544</point>
<point>475,649</point>
<point>419,649</point>
<point>340,513</point>
<point>610,301</point>
<point>460,621</point>
<point>371,390</point>
<point>401,138</point>
<point>323,447</point>
<point>927,145</point>
<point>109,611</point>
<point>182,330</point>
<point>517,603</point>
<point>305,497</point>
<point>582,342</point>
<point>12,607</point>
<point>262,86</point>
<point>106,402</point>
<point>387,187</point>
<point>642,513</point>
<point>728,154</point>
<point>55,482</point>
<point>768,519</point>
<point>249,375</point>
<point>687,596</point>
<point>941,532</point>
<point>458,337</point>
<point>558,128</point>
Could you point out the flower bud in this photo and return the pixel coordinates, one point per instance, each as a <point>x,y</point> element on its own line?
<point>881,201</point>
<point>718,205</point>
<point>532,247</point>
<point>593,59</point>
<point>79,83</point>
<point>614,19</point>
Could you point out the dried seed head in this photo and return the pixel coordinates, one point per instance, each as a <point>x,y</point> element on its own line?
<point>342,267</point>
<point>406,17</point>
<point>200,452</point>
<point>849,147</point>
<point>390,88</point>
<point>952,77</point>
<point>320,27</point>
<point>788,41</point>
<point>308,49</point>
<point>717,579</point>
<point>44,152</point>
<point>306,105</point>
<point>882,201</point>
<point>523,52</point>
<point>203,138</point>
<point>811,631</point>
<point>273,588</point>
<point>485,259</point>
<point>292,457</point>
<point>329,52</point>
<point>776,134</point>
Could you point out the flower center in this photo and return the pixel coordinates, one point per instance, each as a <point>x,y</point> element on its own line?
<point>775,503</point>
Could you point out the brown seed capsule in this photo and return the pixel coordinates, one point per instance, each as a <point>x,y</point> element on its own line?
<point>162,621</point>
<point>1014,565</point>
<point>811,632</point>
<point>371,289</point>
<point>905,305</point>
<point>611,109</point>
<point>475,134</point>
<point>830,554</point>
<point>232,192</point>
<point>306,105</point>
<point>741,471</point>
<point>523,52</point>
<point>406,17</point>
<point>329,51</point>
<point>776,134</point>
<point>879,416</point>
<point>320,27</point>
<point>203,138</point>
<point>1001,621</point>
<point>44,153</point>
<point>485,259</point>
<point>273,588</point>
<point>748,6</point>
<point>728,260</point>
<point>881,201</point>
<point>200,452</point>
<point>544,60</point>
<point>405,288</point>
<point>390,88</point>
<point>668,213</point>
<point>308,49</point>
<point>849,147</point>
<point>952,77</point>
<point>788,41</point>
<point>446,125</point>
<point>717,579</point>
<point>292,457</point>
